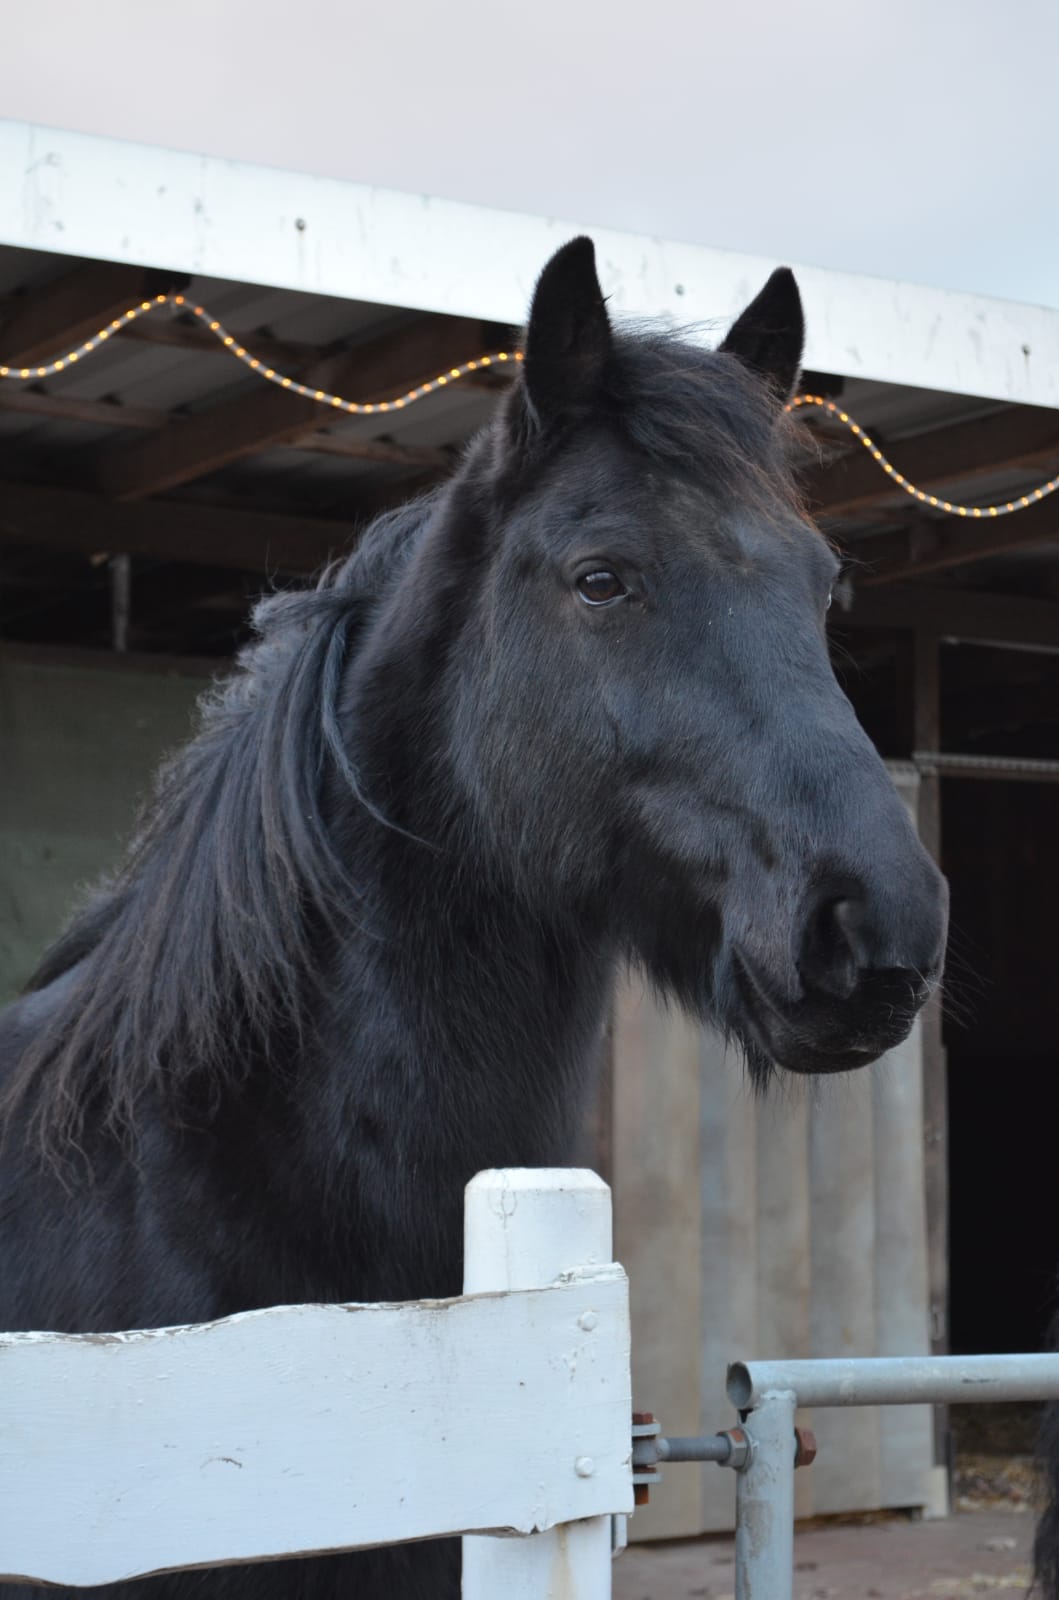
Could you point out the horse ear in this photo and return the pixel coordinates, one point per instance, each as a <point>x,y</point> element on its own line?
<point>568,337</point>
<point>770,334</point>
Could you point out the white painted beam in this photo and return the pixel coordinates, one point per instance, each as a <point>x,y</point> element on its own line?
<point>314,1428</point>
<point>78,194</point>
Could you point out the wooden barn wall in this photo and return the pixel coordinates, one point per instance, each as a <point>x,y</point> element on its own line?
<point>78,746</point>
<point>786,1227</point>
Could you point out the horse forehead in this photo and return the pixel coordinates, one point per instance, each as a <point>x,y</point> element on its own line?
<point>744,534</point>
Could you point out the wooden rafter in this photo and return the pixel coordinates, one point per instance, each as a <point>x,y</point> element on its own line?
<point>72,408</point>
<point>936,545</point>
<point>251,541</point>
<point>44,322</point>
<point>973,615</point>
<point>384,451</point>
<point>381,368</point>
<point>110,414</point>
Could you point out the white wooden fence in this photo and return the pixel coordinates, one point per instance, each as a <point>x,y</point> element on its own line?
<point>303,1429</point>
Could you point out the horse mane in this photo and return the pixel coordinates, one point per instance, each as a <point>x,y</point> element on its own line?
<point>198,962</point>
<point>193,962</point>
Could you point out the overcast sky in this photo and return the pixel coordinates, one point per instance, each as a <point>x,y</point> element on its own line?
<point>908,138</point>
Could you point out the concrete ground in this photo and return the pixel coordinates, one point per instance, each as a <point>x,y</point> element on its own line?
<point>969,1553</point>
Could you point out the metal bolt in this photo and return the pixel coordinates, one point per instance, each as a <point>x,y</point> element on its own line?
<point>804,1447</point>
<point>584,1466</point>
<point>587,1321</point>
<point>739,1447</point>
<point>299,223</point>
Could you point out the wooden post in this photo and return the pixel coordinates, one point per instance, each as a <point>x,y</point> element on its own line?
<point>524,1228</point>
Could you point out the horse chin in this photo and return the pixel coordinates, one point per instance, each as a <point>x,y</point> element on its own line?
<point>806,1037</point>
<point>766,1055</point>
<point>807,1062</point>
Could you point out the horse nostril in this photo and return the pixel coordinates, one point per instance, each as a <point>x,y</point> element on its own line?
<point>829,958</point>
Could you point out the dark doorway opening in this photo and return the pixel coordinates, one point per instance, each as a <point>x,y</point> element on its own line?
<point>1001,854</point>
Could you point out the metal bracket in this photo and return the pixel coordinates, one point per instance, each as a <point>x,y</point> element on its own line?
<point>733,1447</point>
<point>645,1431</point>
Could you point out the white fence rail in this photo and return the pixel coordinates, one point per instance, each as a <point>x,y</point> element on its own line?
<point>303,1429</point>
<point>503,1415</point>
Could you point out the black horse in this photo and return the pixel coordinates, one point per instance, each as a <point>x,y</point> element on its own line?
<point>572,708</point>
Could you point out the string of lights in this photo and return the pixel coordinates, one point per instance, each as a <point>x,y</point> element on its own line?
<point>355,408</point>
<point>368,408</point>
<point>1004,509</point>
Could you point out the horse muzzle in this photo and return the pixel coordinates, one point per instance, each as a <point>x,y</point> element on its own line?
<point>821,1032</point>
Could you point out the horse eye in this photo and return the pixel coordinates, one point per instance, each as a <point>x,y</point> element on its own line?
<point>600,588</point>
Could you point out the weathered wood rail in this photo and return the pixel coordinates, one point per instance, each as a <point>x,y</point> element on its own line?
<point>302,1429</point>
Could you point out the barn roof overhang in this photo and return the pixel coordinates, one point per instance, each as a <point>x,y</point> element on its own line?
<point>117,201</point>
<point>161,447</point>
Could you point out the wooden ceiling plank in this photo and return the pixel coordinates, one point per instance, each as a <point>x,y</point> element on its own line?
<point>382,368</point>
<point>176,333</point>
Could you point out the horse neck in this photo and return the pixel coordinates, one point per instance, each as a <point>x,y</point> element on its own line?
<point>476,1010</point>
<point>458,1035</point>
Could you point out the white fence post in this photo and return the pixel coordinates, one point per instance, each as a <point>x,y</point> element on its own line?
<point>523,1229</point>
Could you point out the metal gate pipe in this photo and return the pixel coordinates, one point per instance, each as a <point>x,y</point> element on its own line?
<point>764,1503</point>
<point>896,1380</point>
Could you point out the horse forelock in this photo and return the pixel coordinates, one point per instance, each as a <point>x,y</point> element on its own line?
<point>706,415</point>
<point>688,412</point>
